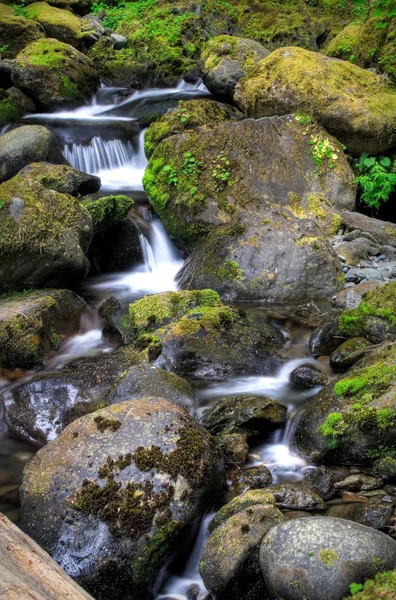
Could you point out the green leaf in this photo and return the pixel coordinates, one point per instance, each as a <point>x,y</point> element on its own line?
<point>385,161</point>
<point>2,203</point>
<point>166,168</point>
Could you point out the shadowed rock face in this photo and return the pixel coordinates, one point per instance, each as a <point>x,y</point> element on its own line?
<point>332,554</point>
<point>122,486</point>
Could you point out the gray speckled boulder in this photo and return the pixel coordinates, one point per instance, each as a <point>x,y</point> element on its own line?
<point>118,491</point>
<point>318,558</point>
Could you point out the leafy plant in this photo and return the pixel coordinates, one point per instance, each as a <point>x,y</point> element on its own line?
<point>20,9</point>
<point>303,119</point>
<point>354,588</point>
<point>183,113</point>
<point>190,165</point>
<point>384,10</point>
<point>321,149</point>
<point>377,179</point>
<point>2,203</point>
<point>221,170</point>
<point>172,178</point>
<point>3,48</point>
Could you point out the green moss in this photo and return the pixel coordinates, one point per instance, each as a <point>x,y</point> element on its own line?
<point>328,557</point>
<point>108,211</point>
<point>9,109</point>
<point>153,552</point>
<point>382,587</point>
<point>229,270</point>
<point>386,467</point>
<point>103,423</point>
<point>379,303</point>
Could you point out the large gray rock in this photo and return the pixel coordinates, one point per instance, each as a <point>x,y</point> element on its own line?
<point>320,557</point>
<point>273,256</point>
<point>383,232</point>
<point>118,491</point>
<point>27,144</point>
<point>226,59</point>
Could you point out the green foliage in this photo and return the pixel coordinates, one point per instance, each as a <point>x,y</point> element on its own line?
<point>172,178</point>
<point>3,48</point>
<point>383,10</point>
<point>221,172</point>
<point>382,587</point>
<point>304,120</point>
<point>377,179</point>
<point>322,149</point>
<point>20,10</point>
<point>2,203</point>
<point>354,588</point>
<point>190,165</point>
<point>183,113</point>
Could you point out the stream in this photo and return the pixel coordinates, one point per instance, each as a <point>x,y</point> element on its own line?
<point>106,139</point>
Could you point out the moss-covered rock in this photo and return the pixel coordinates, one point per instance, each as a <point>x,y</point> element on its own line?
<point>348,353</point>
<point>383,587</point>
<point>230,559</point>
<point>61,178</point>
<point>193,334</point>
<point>200,179</point>
<point>137,476</point>
<point>54,74</point>
<point>355,105</point>
<point>384,232</point>
<point>226,59</point>
<point>16,32</point>
<point>117,67</point>
<point>272,256</point>
<point>189,114</point>
<point>354,420</point>
<point>240,503</point>
<point>321,556</point>
<point>44,236</point>
<point>108,211</point>
<point>251,414</point>
<point>34,324</point>
<point>10,109</point>
<point>78,6</point>
<point>60,24</point>
<point>27,144</point>
<point>251,478</point>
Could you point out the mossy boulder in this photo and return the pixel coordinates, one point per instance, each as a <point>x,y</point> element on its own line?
<point>117,67</point>
<point>273,256</point>
<point>60,24</point>
<point>251,478</point>
<point>108,211</point>
<point>308,376</point>
<point>54,74</point>
<point>203,178</point>
<point>226,59</point>
<point>349,352</point>
<point>382,586</point>
<point>229,564</point>
<point>27,144</point>
<point>78,6</point>
<point>44,236</point>
<point>355,105</point>
<point>320,557</point>
<point>10,109</point>
<point>296,497</point>
<point>83,387</point>
<point>124,486</point>
<point>193,334</point>
<point>61,178</point>
<point>189,114</point>
<point>16,32</point>
<point>240,503</point>
<point>251,414</point>
<point>353,420</point>
<point>34,324</point>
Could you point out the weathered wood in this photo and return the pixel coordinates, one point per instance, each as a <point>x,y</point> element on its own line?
<point>27,572</point>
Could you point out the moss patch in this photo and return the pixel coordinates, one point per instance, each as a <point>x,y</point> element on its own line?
<point>107,212</point>
<point>103,423</point>
<point>328,557</point>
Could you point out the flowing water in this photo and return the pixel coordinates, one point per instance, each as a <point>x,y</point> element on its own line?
<point>106,139</point>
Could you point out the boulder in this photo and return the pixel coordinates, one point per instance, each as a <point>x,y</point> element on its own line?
<point>108,211</point>
<point>355,105</point>
<point>321,481</point>
<point>117,247</point>
<point>226,59</point>
<point>61,178</point>
<point>55,75</point>
<point>252,478</point>
<point>308,376</point>
<point>16,31</point>
<point>202,178</point>
<point>229,565</point>
<point>240,503</point>
<point>354,420</point>
<point>234,447</point>
<point>27,144</point>
<point>193,334</point>
<point>272,256</point>
<point>10,109</point>
<point>352,297</point>
<point>251,414</point>
<point>349,353</point>
<point>44,236</point>
<point>39,409</point>
<point>294,496</point>
<point>332,554</point>
<point>123,487</point>
<point>78,6</point>
<point>189,114</point>
<point>34,324</point>
<point>61,24</point>
<point>383,232</point>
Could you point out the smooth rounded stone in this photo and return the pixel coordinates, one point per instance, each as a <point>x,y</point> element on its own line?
<point>226,59</point>
<point>234,447</point>
<point>124,486</point>
<point>308,376</point>
<point>55,75</point>
<point>294,496</point>
<point>193,334</point>
<point>321,481</point>
<point>359,483</point>
<point>356,106</point>
<point>252,478</point>
<point>320,557</point>
<point>16,31</point>
<point>325,340</point>
<point>44,236</point>
<point>33,325</point>
<point>227,152</point>
<point>251,414</point>
<point>349,353</point>
<point>24,102</point>
<point>382,231</point>
<point>351,298</point>
<point>351,418</point>
<point>229,564</point>
<point>61,178</point>
<point>120,41</point>
<point>27,144</point>
<point>374,513</point>
<point>268,255</point>
<point>240,503</point>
